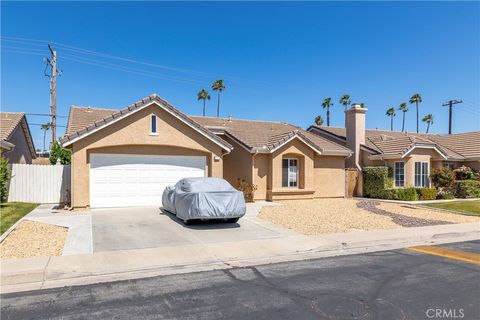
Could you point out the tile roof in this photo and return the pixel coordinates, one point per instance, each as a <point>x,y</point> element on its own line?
<point>84,120</point>
<point>454,146</point>
<point>263,136</point>
<point>9,121</point>
<point>268,135</point>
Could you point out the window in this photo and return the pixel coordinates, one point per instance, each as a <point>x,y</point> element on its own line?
<point>153,124</point>
<point>449,166</point>
<point>289,172</point>
<point>421,174</point>
<point>399,174</point>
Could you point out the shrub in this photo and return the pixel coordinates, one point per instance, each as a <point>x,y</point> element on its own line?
<point>5,176</point>
<point>375,182</point>
<point>407,194</point>
<point>427,193</point>
<point>467,189</point>
<point>442,178</point>
<point>465,173</point>
<point>445,196</point>
<point>248,190</point>
<point>57,152</point>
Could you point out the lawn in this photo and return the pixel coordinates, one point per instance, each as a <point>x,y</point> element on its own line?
<point>471,207</point>
<point>11,212</point>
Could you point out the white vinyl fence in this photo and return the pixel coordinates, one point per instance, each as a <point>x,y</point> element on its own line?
<point>39,184</point>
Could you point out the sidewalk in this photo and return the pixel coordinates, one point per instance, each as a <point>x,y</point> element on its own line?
<point>49,272</point>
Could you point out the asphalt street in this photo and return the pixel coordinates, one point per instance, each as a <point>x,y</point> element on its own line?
<point>400,284</point>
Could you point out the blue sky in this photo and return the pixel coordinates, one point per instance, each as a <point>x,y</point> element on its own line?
<point>278,60</point>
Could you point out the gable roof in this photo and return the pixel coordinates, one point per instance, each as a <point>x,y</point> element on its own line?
<point>268,136</point>
<point>9,121</point>
<point>84,121</point>
<point>454,146</point>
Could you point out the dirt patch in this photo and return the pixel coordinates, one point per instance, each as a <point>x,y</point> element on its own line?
<point>33,239</point>
<point>321,216</point>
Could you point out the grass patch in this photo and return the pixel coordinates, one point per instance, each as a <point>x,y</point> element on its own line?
<point>471,207</point>
<point>11,212</point>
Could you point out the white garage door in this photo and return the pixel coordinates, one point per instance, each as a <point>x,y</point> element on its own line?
<point>118,180</point>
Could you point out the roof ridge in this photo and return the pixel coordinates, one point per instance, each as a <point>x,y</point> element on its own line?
<point>91,107</point>
<point>239,119</point>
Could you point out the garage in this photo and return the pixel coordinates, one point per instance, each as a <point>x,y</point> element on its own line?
<point>123,180</point>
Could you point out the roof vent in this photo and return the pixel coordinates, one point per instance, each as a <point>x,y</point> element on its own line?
<point>89,109</point>
<point>229,118</point>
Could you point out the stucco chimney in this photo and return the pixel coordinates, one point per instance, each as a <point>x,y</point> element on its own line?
<point>355,133</point>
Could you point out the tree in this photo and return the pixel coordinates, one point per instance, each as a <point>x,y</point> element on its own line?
<point>428,119</point>
<point>391,113</point>
<point>404,108</point>
<point>5,176</point>
<point>345,100</point>
<point>203,95</point>
<point>218,86</point>
<point>318,120</point>
<point>58,153</point>
<point>45,127</point>
<point>326,104</point>
<point>416,98</point>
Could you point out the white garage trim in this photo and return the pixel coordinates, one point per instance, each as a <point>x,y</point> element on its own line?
<point>130,180</point>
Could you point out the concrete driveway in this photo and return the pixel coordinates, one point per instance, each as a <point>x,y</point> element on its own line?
<point>139,228</point>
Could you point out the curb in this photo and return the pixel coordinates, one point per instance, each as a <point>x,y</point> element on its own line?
<point>40,277</point>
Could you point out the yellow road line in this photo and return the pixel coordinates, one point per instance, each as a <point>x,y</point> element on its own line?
<point>460,255</point>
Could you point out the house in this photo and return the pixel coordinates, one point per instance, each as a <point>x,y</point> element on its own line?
<point>127,157</point>
<point>410,155</point>
<point>15,138</point>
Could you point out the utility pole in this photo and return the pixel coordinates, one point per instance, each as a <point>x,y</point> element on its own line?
<point>450,104</point>
<point>53,91</point>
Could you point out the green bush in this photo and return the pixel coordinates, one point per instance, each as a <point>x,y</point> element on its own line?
<point>407,194</point>
<point>427,193</point>
<point>376,182</point>
<point>445,196</point>
<point>5,176</point>
<point>57,152</point>
<point>465,173</point>
<point>467,189</point>
<point>442,178</point>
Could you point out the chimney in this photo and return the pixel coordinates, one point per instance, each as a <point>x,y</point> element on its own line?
<point>355,133</point>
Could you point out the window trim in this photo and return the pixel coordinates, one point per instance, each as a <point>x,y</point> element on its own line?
<point>427,185</point>
<point>297,172</point>
<point>395,174</point>
<point>153,133</point>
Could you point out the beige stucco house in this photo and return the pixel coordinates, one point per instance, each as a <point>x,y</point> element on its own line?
<point>16,143</point>
<point>127,157</point>
<point>412,156</point>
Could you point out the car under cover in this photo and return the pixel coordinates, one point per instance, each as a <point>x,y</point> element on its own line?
<point>205,199</point>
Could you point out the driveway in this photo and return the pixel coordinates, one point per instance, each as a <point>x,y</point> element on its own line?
<point>150,227</point>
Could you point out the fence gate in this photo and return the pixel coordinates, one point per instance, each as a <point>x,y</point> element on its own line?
<point>39,184</point>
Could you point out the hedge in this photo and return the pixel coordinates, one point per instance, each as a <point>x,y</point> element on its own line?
<point>406,194</point>
<point>467,188</point>
<point>427,193</point>
<point>376,182</point>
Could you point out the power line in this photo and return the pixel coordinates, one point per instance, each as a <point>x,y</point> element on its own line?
<point>450,105</point>
<point>40,124</point>
<point>44,114</point>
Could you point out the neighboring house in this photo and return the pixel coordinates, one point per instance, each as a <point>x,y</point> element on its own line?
<point>127,157</point>
<point>15,138</point>
<point>410,155</point>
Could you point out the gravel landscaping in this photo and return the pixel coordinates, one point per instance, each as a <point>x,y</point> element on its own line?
<point>33,239</point>
<point>322,216</point>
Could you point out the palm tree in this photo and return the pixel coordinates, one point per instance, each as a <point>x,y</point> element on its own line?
<point>391,113</point>
<point>203,95</point>
<point>428,119</point>
<point>345,100</point>
<point>404,108</point>
<point>416,98</point>
<point>318,120</point>
<point>327,103</point>
<point>219,86</point>
<point>45,127</point>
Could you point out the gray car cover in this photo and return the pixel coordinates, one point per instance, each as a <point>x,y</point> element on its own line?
<point>204,198</point>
